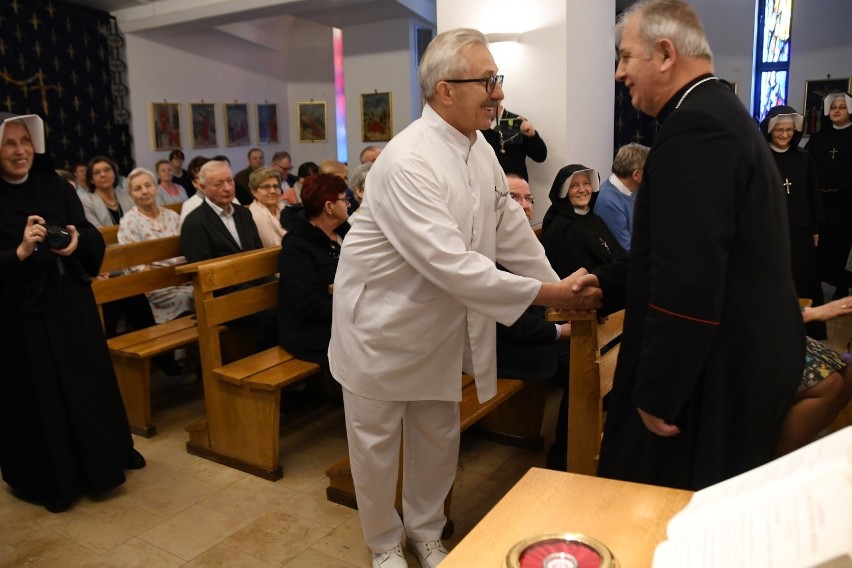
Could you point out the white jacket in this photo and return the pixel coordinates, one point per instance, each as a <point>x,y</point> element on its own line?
<point>417,292</point>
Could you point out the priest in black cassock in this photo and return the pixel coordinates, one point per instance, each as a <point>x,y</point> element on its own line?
<point>831,149</point>
<point>782,128</point>
<point>63,429</point>
<point>713,344</point>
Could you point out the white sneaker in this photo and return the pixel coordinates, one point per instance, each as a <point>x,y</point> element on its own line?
<point>430,553</point>
<point>393,558</point>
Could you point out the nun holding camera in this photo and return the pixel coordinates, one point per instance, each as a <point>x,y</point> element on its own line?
<point>63,428</point>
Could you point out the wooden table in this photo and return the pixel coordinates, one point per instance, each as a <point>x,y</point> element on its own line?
<point>629,518</point>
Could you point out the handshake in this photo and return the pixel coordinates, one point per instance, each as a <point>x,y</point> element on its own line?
<point>579,293</point>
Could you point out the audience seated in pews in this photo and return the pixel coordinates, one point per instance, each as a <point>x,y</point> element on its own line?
<point>265,187</point>
<point>219,227</point>
<point>168,191</point>
<point>105,206</point>
<point>826,386</point>
<point>308,264</point>
<point>305,169</point>
<point>179,175</point>
<point>63,428</point>
<point>339,169</point>
<point>147,220</point>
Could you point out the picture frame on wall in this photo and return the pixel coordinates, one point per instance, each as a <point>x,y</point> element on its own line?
<point>236,124</point>
<point>202,117</point>
<point>267,123</point>
<point>165,125</point>
<point>376,117</point>
<point>312,121</point>
<point>815,93</point>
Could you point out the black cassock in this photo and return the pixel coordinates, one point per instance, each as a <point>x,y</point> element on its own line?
<point>63,428</point>
<point>831,149</point>
<point>713,339</point>
<point>805,215</point>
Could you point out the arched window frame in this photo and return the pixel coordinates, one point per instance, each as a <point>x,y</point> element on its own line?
<point>771,55</point>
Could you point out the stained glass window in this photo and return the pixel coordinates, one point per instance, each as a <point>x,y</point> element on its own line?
<point>772,55</point>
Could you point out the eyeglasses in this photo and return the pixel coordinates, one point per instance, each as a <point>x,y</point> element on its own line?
<point>269,187</point>
<point>346,199</point>
<point>519,198</point>
<point>783,130</point>
<point>490,82</point>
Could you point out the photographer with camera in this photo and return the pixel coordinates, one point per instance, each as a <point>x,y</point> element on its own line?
<point>63,429</point>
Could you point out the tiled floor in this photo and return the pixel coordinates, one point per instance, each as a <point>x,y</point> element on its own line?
<point>186,511</point>
<point>182,510</point>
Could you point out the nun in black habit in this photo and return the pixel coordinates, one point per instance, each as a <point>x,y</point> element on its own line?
<point>782,128</point>
<point>63,428</point>
<point>572,235</point>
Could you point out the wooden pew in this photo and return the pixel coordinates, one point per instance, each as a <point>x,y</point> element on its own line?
<point>132,352</point>
<point>109,234</point>
<point>341,488</point>
<point>594,350</point>
<point>243,398</point>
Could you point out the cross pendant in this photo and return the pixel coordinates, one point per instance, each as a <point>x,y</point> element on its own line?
<point>833,152</point>
<point>787,184</point>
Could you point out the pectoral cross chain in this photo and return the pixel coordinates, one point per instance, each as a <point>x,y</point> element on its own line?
<point>787,184</point>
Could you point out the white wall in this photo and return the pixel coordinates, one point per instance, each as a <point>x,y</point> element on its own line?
<point>213,66</point>
<point>559,75</point>
<point>378,57</point>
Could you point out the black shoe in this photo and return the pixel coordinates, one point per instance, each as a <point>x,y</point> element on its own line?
<point>135,460</point>
<point>57,506</point>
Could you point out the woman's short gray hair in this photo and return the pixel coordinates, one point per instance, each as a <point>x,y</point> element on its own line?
<point>262,174</point>
<point>359,177</point>
<point>667,19</point>
<point>136,172</point>
<point>443,60</point>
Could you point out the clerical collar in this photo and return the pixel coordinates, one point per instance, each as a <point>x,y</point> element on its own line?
<point>779,150</point>
<point>582,211</point>
<point>679,97</point>
<point>16,181</point>
<point>845,126</point>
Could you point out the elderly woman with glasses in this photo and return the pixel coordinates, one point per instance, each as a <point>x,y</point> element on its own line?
<point>308,264</point>
<point>782,128</point>
<point>265,186</point>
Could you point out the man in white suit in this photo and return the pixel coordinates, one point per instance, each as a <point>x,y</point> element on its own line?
<point>417,293</point>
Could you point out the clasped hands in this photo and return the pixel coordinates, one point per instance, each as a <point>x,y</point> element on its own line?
<point>579,293</point>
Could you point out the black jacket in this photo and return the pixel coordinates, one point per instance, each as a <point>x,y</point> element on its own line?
<point>307,265</point>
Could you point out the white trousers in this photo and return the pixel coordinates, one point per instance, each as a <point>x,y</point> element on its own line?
<point>429,432</point>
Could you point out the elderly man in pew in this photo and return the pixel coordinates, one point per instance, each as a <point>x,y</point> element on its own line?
<point>218,228</point>
<point>537,352</point>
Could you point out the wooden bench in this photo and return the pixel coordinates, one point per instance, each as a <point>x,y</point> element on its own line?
<point>109,234</point>
<point>341,488</point>
<point>242,398</point>
<point>132,352</point>
<point>594,351</point>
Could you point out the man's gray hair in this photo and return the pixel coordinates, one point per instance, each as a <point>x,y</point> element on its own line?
<point>443,60</point>
<point>667,19</point>
<point>136,172</point>
<point>205,169</point>
<point>629,158</point>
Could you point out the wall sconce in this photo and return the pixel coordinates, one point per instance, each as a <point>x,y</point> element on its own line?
<point>503,37</point>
